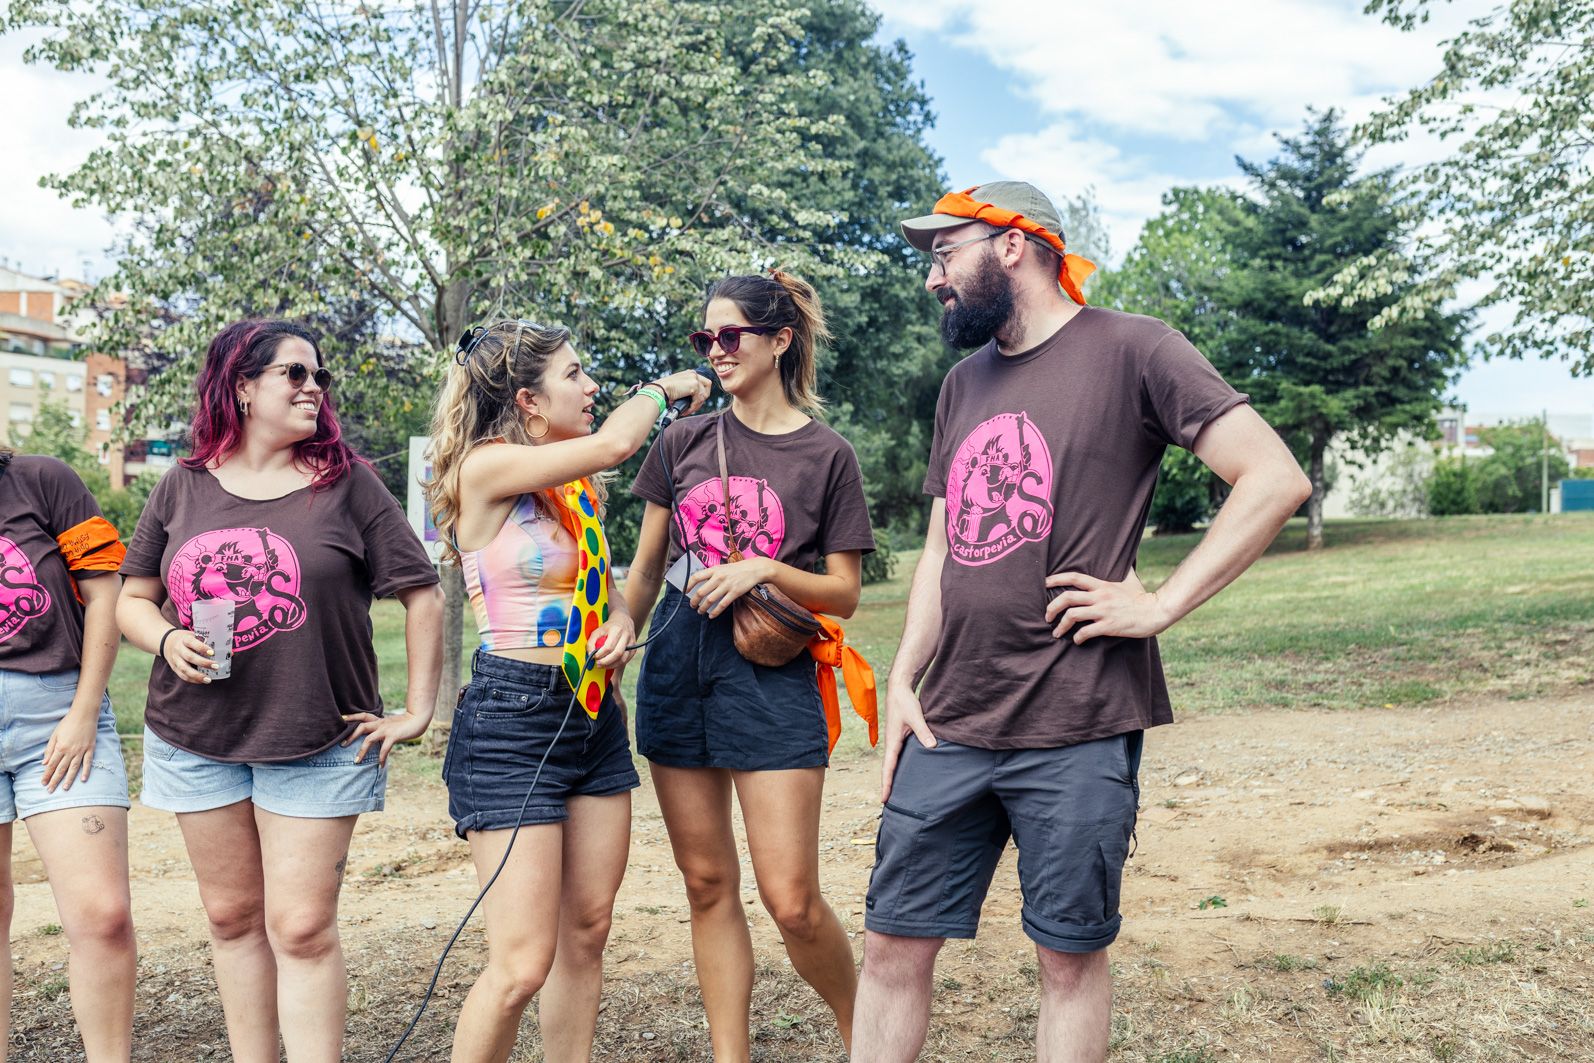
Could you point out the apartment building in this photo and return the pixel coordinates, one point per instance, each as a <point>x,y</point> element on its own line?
<point>43,358</point>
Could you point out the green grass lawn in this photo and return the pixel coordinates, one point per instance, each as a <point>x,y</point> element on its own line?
<point>1392,613</point>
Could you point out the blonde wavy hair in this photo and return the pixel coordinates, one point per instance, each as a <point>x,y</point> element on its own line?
<point>477,406</point>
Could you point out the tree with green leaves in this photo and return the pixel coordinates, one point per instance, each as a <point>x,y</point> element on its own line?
<point>1523,459</point>
<point>1510,203</point>
<point>54,433</point>
<point>1174,273</point>
<point>1316,369</point>
<point>588,161</point>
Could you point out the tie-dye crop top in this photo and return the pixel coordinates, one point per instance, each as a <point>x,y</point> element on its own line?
<point>522,582</point>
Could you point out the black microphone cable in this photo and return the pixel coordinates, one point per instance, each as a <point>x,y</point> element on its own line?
<point>665,419</point>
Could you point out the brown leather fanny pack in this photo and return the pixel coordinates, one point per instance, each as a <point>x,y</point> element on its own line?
<point>769,627</point>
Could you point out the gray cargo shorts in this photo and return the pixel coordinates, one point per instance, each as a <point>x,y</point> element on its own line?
<point>1070,810</point>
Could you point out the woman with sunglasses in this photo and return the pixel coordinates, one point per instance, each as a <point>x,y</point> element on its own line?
<point>709,721</point>
<point>538,743</point>
<point>268,767</point>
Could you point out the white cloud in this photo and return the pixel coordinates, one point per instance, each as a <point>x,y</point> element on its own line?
<point>1063,163</point>
<point>41,232</point>
<point>1171,73</point>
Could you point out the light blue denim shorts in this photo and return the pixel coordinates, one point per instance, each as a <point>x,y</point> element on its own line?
<point>324,785</point>
<point>30,708</point>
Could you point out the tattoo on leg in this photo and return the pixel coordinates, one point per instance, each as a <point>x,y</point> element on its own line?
<point>339,867</point>
<point>93,824</point>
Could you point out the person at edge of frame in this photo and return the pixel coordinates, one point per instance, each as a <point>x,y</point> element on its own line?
<point>62,772</point>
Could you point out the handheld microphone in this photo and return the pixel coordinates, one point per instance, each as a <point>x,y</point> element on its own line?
<point>679,406</point>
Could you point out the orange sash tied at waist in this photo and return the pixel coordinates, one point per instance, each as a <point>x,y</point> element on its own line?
<point>830,651</point>
<point>1074,269</point>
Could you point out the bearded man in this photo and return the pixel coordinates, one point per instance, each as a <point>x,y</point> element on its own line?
<point>1045,671</point>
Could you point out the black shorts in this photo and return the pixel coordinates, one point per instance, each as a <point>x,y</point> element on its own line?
<point>700,704</point>
<point>1071,811</point>
<point>503,725</point>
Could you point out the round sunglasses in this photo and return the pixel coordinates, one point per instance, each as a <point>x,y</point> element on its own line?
<point>729,338</point>
<point>297,373</point>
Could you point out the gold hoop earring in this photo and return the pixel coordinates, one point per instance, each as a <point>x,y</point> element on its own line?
<point>545,426</point>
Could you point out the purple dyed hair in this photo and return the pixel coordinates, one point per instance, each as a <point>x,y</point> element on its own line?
<point>244,349</point>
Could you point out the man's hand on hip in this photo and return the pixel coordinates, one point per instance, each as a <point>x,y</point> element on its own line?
<point>903,714</point>
<point>1124,609</point>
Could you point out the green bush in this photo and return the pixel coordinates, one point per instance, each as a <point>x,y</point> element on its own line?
<point>1453,488</point>
<point>880,565</point>
<point>1184,495</point>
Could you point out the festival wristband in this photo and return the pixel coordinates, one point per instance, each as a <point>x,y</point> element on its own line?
<point>656,393</point>
<point>161,650</point>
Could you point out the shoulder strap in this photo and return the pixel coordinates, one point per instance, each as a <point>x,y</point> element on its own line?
<point>725,486</point>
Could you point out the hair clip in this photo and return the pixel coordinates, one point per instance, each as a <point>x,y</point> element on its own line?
<point>467,343</point>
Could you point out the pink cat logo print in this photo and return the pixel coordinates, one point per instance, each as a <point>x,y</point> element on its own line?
<point>256,569</point>
<point>22,597</point>
<point>998,490</point>
<point>757,523</point>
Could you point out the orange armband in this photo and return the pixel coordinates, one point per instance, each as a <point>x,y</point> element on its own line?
<point>91,546</point>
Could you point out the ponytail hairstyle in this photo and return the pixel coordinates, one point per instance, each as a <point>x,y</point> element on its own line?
<point>244,349</point>
<point>477,405</point>
<point>783,300</point>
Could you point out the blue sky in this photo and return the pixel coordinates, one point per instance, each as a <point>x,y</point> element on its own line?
<point>1127,99</point>
<point>1135,98</point>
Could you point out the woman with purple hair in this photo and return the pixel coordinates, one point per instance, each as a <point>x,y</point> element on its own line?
<point>262,750</point>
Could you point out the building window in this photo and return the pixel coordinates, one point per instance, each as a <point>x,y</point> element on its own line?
<point>74,382</point>
<point>102,420</point>
<point>77,419</point>
<point>46,379</point>
<point>105,384</point>
<point>22,378</point>
<point>21,413</point>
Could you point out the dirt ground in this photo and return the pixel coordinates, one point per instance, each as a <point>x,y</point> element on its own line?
<point>1385,885</point>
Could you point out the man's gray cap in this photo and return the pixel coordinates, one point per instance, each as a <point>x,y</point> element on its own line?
<point>1020,197</point>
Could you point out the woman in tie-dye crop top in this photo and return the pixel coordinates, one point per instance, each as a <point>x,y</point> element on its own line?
<point>521,583</point>
<point>515,492</point>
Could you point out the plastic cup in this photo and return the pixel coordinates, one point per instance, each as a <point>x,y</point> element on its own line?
<point>213,622</point>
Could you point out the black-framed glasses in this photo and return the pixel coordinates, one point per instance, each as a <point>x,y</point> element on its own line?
<point>940,254</point>
<point>729,338</point>
<point>297,373</point>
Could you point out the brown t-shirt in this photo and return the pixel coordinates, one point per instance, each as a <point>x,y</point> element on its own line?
<point>795,497</point>
<point>302,569</point>
<point>1047,460</point>
<point>41,621</point>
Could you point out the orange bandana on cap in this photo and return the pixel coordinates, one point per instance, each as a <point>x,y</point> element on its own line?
<point>1074,269</point>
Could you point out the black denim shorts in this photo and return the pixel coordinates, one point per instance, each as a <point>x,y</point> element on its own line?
<point>700,704</point>
<point>1071,811</point>
<point>504,723</point>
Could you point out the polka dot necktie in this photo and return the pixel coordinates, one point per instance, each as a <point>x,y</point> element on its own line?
<point>589,608</point>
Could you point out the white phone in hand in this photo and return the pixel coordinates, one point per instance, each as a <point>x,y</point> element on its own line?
<point>677,574</point>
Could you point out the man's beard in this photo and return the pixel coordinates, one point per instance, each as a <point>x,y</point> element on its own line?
<point>984,305</point>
